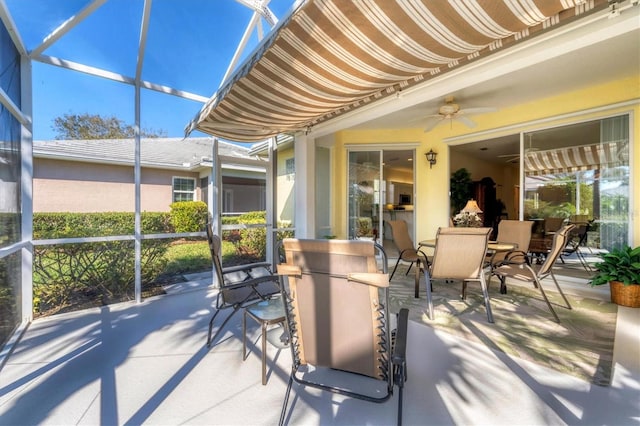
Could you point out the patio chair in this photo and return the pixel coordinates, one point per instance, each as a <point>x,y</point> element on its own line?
<point>512,231</point>
<point>525,272</point>
<point>239,285</point>
<point>459,254</point>
<point>337,309</point>
<point>577,238</point>
<point>407,251</point>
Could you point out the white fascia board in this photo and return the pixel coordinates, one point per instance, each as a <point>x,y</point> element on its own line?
<point>243,168</point>
<point>83,159</point>
<point>568,38</point>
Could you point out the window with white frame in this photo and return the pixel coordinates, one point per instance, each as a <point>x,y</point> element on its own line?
<point>290,166</point>
<point>184,189</point>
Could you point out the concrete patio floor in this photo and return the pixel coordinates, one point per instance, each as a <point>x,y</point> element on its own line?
<point>131,364</point>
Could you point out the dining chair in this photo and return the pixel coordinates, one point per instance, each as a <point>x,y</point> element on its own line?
<point>577,238</point>
<point>407,251</point>
<point>517,232</point>
<point>527,273</point>
<point>459,254</point>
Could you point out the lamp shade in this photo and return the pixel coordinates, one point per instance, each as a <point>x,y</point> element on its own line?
<point>471,207</point>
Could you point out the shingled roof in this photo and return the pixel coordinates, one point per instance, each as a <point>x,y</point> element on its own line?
<point>166,153</point>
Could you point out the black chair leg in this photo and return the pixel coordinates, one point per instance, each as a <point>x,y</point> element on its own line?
<point>394,269</point>
<point>211,339</point>
<point>409,269</point>
<point>286,401</point>
<point>503,285</point>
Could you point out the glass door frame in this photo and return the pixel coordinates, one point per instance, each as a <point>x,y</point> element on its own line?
<point>382,184</point>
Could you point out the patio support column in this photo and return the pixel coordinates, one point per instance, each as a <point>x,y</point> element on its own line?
<point>215,199</point>
<point>137,172</point>
<point>26,188</point>
<point>305,188</point>
<point>271,194</point>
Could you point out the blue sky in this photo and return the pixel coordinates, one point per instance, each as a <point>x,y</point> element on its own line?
<point>189,46</point>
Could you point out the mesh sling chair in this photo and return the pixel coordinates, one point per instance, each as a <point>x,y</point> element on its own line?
<point>407,250</point>
<point>577,238</point>
<point>524,272</point>
<point>459,254</point>
<point>336,305</point>
<point>239,285</point>
<point>512,231</point>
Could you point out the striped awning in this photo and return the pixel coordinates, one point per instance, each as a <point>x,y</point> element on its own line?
<point>576,158</point>
<point>330,57</point>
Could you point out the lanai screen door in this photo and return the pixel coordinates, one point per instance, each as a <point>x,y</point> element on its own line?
<point>366,194</point>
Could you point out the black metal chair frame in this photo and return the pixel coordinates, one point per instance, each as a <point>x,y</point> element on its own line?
<point>257,281</point>
<point>577,240</point>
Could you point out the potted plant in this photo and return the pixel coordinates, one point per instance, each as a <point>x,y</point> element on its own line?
<point>621,269</point>
<point>461,187</point>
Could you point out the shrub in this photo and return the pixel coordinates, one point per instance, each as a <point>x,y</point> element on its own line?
<point>100,272</point>
<point>254,240</point>
<point>189,216</point>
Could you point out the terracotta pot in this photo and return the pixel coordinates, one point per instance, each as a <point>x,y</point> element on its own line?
<point>625,295</point>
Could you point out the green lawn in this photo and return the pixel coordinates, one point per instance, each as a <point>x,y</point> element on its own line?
<point>194,256</point>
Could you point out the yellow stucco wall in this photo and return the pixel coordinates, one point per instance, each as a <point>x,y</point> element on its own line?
<point>432,185</point>
<point>285,205</point>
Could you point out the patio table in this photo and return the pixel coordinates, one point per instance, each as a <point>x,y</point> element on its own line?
<point>266,313</point>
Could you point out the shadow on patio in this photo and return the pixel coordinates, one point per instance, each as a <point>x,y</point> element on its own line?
<point>148,364</point>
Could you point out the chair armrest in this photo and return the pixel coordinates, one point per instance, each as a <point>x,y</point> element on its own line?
<point>510,255</point>
<point>371,278</point>
<point>508,258</point>
<point>246,267</point>
<point>400,348</point>
<point>425,257</point>
<point>251,282</point>
<point>284,269</point>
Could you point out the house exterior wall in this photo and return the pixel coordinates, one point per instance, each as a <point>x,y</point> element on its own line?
<point>72,186</point>
<point>285,205</point>
<point>432,202</point>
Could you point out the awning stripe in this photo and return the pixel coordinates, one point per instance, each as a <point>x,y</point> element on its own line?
<point>576,158</point>
<point>330,57</point>
<point>481,20</point>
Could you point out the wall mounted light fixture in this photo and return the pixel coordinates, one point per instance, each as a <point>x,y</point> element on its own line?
<point>431,157</point>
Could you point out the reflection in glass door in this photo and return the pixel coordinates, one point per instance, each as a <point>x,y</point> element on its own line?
<point>580,173</point>
<point>365,194</point>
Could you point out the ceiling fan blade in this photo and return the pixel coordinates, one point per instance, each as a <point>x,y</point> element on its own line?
<point>422,117</point>
<point>508,155</point>
<point>477,110</point>
<point>465,120</point>
<point>432,121</point>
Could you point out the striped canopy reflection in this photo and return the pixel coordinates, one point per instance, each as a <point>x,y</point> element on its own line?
<point>576,158</point>
<point>330,57</point>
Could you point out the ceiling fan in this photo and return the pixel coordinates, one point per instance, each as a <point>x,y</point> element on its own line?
<point>515,158</point>
<point>452,111</point>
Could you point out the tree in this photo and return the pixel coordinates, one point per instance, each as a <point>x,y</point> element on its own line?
<point>94,126</point>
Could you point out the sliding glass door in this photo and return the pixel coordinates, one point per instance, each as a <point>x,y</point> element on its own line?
<point>381,188</point>
<point>365,194</point>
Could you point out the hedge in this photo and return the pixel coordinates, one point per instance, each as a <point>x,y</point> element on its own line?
<point>93,273</point>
